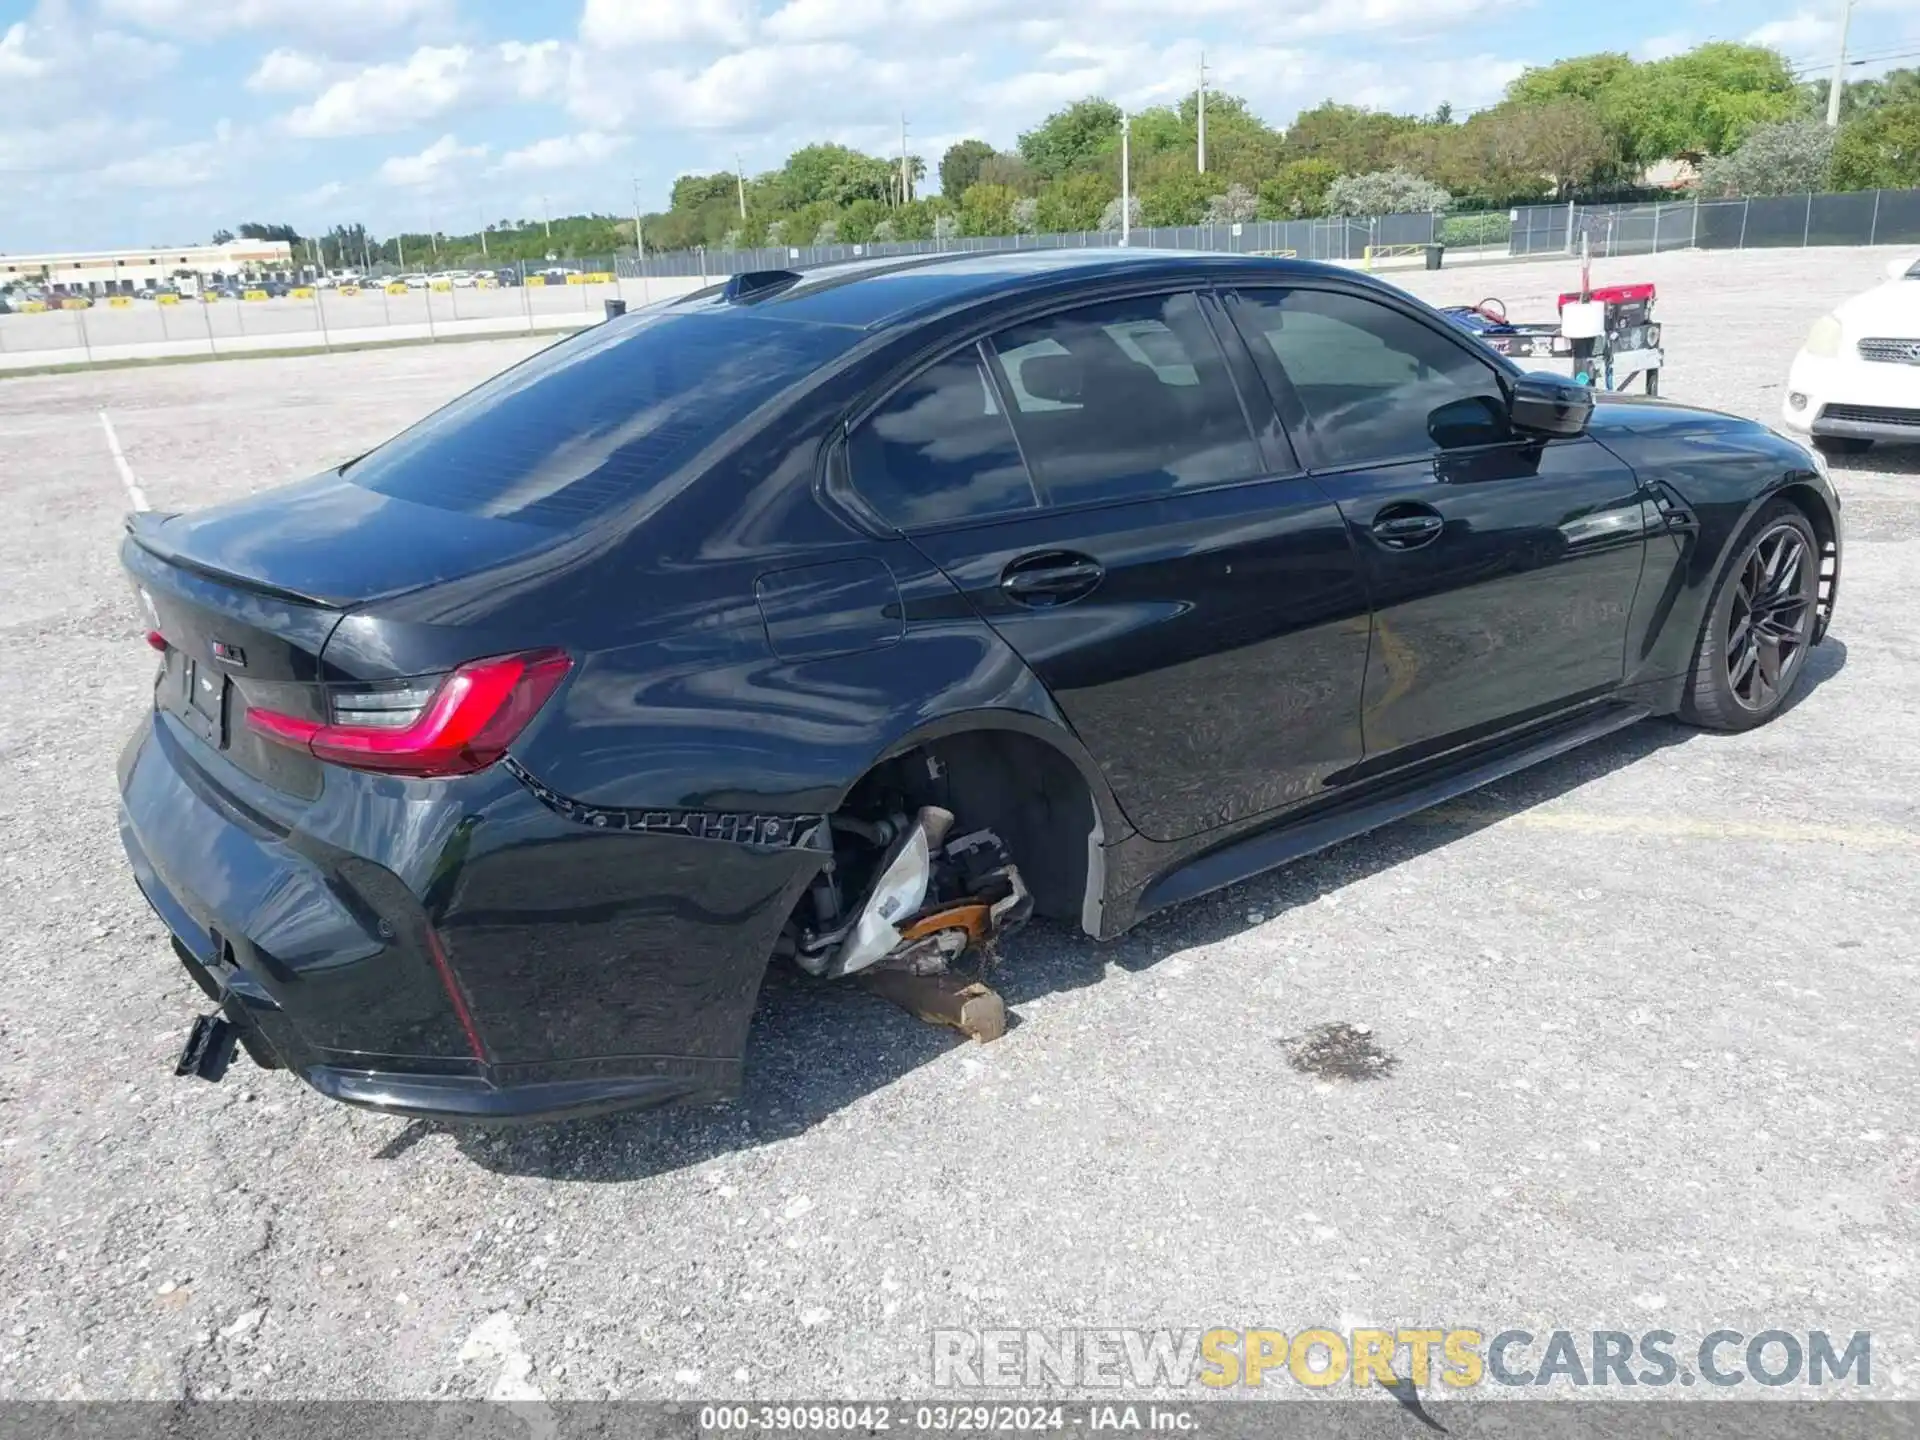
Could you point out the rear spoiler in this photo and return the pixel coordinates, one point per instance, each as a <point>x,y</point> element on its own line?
<point>144,529</point>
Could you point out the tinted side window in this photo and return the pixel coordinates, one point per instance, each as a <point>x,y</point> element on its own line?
<point>1122,399</point>
<point>940,449</point>
<point>1375,384</point>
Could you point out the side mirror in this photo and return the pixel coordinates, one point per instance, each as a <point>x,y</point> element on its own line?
<point>1551,405</point>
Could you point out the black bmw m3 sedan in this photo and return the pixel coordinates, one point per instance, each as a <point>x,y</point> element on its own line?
<point>843,619</point>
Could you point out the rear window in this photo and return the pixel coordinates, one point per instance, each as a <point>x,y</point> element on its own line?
<point>597,420</point>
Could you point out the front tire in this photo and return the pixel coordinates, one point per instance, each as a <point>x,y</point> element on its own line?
<point>1759,626</point>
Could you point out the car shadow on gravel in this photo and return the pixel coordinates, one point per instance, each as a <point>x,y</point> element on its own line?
<point>817,1047</point>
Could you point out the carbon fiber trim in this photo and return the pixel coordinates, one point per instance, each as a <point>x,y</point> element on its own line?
<point>784,832</point>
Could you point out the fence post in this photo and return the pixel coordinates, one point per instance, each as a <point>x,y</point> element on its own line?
<point>1693,236</point>
<point>1806,233</point>
<point>1570,221</point>
<point>1656,227</point>
<point>1746,209</point>
<point>1873,226</point>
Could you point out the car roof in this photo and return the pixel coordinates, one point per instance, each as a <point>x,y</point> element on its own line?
<point>895,290</point>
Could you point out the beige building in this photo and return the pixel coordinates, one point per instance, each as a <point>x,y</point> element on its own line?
<point>107,272</point>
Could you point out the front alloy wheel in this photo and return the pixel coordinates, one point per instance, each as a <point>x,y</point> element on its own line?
<point>1772,618</point>
<point>1760,626</point>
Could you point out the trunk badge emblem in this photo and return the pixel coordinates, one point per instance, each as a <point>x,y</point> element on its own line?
<point>229,654</point>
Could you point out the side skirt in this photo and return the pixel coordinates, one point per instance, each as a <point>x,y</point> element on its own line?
<point>1392,798</point>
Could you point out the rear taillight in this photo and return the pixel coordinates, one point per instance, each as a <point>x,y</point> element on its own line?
<point>158,641</point>
<point>460,725</point>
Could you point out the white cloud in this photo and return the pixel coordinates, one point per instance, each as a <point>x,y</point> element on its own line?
<point>52,65</point>
<point>333,20</point>
<point>1663,47</point>
<point>432,82</point>
<point>562,152</point>
<point>1800,32</point>
<point>284,71</point>
<point>432,166</point>
<point>619,24</point>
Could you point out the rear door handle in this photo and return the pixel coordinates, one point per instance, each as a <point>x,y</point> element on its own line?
<point>1407,527</point>
<point>1051,579</point>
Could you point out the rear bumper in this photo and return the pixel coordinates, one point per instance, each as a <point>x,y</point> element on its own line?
<point>478,995</point>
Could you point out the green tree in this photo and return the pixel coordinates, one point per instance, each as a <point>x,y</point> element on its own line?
<point>1562,142</point>
<point>987,210</point>
<point>1235,204</point>
<point>1299,190</point>
<point>1880,150</point>
<point>223,237</point>
<point>1072,139</point>
<point>1010,171</point>
<point>1385,192</point>
<point>1704,102</point>
<point>960,166</point>
<point>690,192</point>
<point>1351,139</point>
<point>1179,199</point>
<point>1789,157</point>
<point>1074,203</point>
<point>862,220</point>
<point>1586,77</point>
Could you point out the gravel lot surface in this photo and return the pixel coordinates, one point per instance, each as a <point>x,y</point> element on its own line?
<point>1650,1011</point>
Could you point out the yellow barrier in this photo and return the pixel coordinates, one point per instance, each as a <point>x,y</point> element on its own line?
<point>536,280</point>
<point>120,302</point>
<point>76,302</point>
<point>349,289</point>
<point>253,295</point>
<point>441,285</point>
<point>166,298</point>
<point>1388,252</point>
<point>209,297</point>
<point>34,307</point>
<point>487,282</point>
<point>576,279</point>
<point>396,287</point>
<point>301,292</point>
<point>598,277</point>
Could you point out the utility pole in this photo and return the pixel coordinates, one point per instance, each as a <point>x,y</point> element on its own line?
<point>1202,115</point>
<point>547,210</point>
<point>1126,182</point>
<point>906,175</point>
<point>639,246</point>
<point>1839,67</point>
<point>740,182</point>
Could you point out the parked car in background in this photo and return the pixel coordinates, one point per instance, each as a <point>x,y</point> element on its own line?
<point>463,279</point>
<point>417,281</point>
<point>507,275</point>
<point>557,274</point>
<point>948,589</point>
<point>1857,379</point>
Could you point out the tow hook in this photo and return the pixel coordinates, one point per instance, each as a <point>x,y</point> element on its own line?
<point>209,1048</point>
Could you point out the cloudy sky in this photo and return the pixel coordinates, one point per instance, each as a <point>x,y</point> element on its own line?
<point>154,121</point>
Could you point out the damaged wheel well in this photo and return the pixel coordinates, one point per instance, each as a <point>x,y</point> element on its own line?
<point>1029,799</point>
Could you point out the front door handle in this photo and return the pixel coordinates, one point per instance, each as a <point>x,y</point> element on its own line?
<point>1051,579</point>
<point>1407,527</point>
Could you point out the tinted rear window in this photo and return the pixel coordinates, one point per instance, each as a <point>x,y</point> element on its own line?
<point>597,420</point>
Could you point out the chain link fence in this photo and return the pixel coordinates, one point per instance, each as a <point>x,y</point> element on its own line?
<point>537,296</point>
<point>1861,217</point>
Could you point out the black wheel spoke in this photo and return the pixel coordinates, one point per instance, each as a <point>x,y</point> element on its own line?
<point>1769,617</point>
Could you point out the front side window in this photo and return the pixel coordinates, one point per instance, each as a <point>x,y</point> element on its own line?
<point>940,450</point>
<point>1375,385</point>
<point>1125,399</point>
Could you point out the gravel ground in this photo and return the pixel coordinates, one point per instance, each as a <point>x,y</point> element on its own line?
<point>1645,1023</point>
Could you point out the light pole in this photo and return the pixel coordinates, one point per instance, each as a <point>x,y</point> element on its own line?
<point>1126,182</point>
<point>639,245</point>
<point>740,182</point>
<point>1839,67</point>
<point>1201,158</point>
